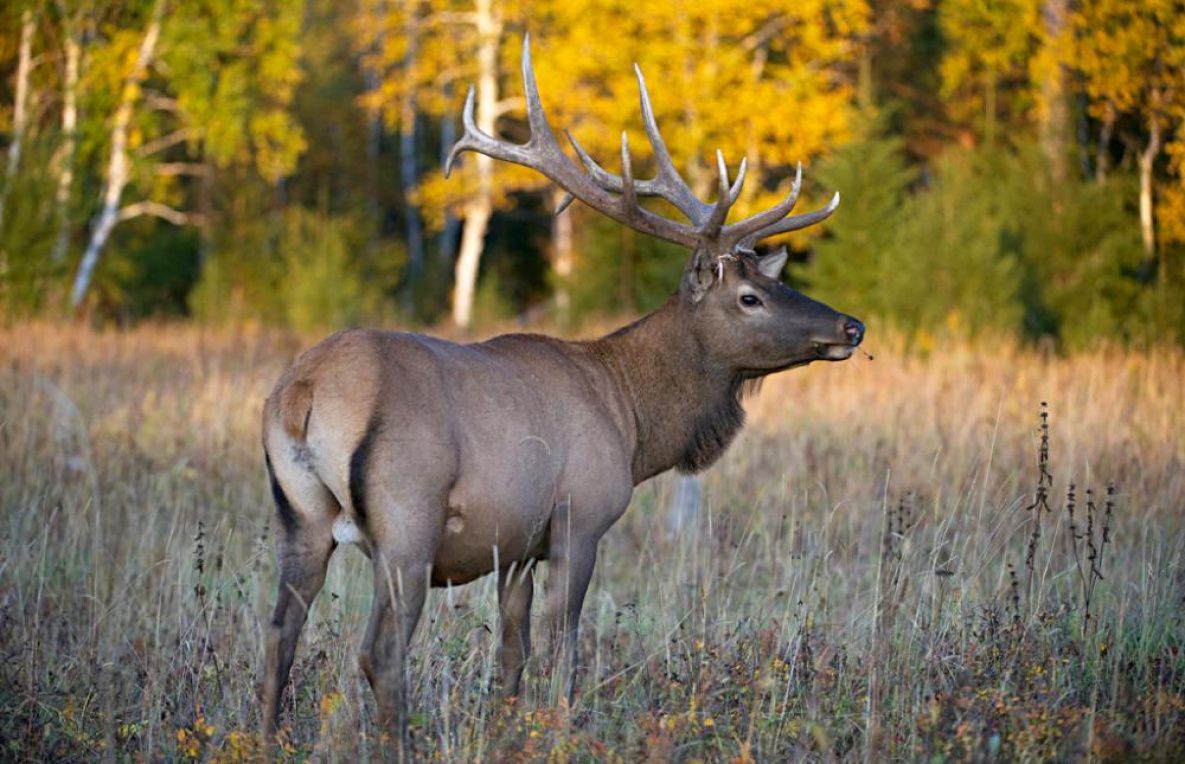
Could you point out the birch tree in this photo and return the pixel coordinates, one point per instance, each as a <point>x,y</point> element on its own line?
<point>67,152</point>
<point>1132,60</point>
<point>20,111</point>
<point>219,99</point>
<point>118,164</point>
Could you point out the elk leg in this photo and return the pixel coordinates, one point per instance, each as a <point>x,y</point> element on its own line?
<point>571,558</point>
<point>516,588</point>
<point>303,553</point>
<point>398,600</point>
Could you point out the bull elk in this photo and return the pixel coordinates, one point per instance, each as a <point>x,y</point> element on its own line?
<point>445,462</point>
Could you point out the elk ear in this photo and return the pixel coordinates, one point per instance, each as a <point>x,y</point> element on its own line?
<point>771,265</point>
<point>698,276</point>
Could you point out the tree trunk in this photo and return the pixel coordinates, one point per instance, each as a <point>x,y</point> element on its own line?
<point>117,165</point>
<point>473,234</point>
<point>374,128</point>
<point>1055,116</point>
<point>65,163</point>
<point>478,210</point>
<point>447,242</point>
<point>20,113</point>
<point>1146,161</point>
<point>1102,159</point>
<point>409,171</point>
<point>561,256</point>
<point>989,108</point>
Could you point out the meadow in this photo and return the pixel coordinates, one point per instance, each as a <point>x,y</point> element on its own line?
<point>901,558</point>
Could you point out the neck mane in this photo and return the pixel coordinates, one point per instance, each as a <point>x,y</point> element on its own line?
<point>686,406</point>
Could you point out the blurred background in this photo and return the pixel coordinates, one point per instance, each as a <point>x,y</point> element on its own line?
<point>1012,168</point>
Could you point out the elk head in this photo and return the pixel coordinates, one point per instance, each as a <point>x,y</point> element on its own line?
<point>735,304</point>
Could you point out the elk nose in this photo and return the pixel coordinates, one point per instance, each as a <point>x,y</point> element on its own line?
<point>853,330</point>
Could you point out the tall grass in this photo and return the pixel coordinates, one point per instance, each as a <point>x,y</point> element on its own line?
<point>881,570</point>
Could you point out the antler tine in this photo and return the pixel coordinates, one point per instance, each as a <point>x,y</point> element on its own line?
<point>739,183</point>
<point>565,203</point>
<point>712,226</point>
<point>677,192</point>
<point>598,189</point>
<point>742,229</point>
<point>541,133</point>
<point>466,142</point>
<point>629,194</point>
<point>790,224</point>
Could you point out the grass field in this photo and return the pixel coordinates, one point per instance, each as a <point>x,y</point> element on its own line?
<point>866,578</point>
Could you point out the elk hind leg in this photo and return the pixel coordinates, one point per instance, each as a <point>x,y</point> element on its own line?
<point>401,579</point>
<point>304,544</point>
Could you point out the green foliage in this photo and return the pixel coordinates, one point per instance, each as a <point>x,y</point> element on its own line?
<point>1084,275</point>
<point>26,239</point>
<point>618,270</point>
<point>297,268</point>
<point>991,243</point>
<point>928,263</point>
<point>151,268</point>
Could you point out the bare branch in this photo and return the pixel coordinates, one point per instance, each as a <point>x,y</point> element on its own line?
<point>161,102</point>
<point>171,169</point>
<point>166,141</point>
<point>163,211</point>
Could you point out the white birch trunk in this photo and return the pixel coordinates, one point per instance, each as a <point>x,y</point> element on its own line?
<point>65,161</point>
<point>561,255</point>
<point>1146,161</point>
<point>478,210</point>
<point>20,111</point>
<point>447,241</point>
<point>409,172</point>
<point>117,165</point>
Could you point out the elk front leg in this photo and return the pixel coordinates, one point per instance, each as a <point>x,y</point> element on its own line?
<point>571,557</point>
<point>516,589</point>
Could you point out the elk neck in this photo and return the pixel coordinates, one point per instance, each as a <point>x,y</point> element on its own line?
<point>685,405</point>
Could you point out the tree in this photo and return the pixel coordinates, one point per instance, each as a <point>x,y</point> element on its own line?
<point>1131,57</point>
<point>20,111</point>
<point>220,100</point>
<point>118,163</point>
<point>989,46</point>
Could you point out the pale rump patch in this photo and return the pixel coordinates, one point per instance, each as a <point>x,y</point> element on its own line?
<point>345,531</point>
<point>454,524</point>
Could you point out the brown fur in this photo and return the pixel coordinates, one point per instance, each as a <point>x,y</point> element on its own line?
<point>452,461</point>
<point>296,404</point>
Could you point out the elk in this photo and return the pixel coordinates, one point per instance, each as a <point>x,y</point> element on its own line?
<point>445,462</point>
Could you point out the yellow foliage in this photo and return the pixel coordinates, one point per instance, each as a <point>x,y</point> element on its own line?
<point>762,79</point>
<point>1130,57</point>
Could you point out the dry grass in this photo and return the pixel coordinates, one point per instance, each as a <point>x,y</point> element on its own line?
<point>863,583</point>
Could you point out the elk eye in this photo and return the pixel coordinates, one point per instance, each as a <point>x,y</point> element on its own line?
<point>750,300</point>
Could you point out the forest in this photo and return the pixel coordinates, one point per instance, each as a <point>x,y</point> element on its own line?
<point>966,542</point>
<point>1007,167</point>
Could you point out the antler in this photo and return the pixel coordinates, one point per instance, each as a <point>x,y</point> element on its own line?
<point>616,196</point>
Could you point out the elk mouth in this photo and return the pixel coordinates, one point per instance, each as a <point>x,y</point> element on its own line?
<point>834,351</point>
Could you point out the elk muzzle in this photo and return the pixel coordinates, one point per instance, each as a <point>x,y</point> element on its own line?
<point>849,335</point>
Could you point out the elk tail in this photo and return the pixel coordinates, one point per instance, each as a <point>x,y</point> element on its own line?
<point>296,404</point>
